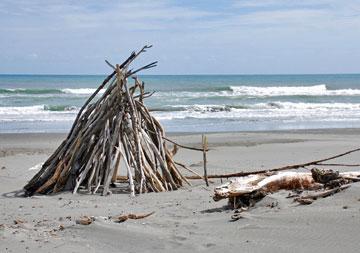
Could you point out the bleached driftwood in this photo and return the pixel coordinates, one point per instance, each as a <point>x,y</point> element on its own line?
<point>242,191</point>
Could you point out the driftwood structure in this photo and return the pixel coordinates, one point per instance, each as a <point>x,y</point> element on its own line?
<point>115,129</point>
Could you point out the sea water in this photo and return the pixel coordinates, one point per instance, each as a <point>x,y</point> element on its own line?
<point>191,103</point>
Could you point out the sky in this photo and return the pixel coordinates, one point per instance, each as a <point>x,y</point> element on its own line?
<point>188,37</point>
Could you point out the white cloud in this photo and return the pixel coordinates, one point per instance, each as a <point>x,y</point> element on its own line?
<point>282,3</point>
<point>142,15</point>
<point>33,56</point>
<point>84,32</point>
<point>164,15</point>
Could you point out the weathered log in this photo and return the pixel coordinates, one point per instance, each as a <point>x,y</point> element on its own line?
<point>242,190</point>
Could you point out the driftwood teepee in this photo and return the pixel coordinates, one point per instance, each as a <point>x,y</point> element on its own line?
<point>116,129</point>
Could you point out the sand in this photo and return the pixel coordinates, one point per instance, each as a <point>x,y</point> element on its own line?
<point>187,220</point>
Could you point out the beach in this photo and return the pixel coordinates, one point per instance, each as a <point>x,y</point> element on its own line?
<point>121,122</point>
<point>186,220</point>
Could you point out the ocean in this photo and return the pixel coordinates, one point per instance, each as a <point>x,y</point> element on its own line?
<point>191,103</point>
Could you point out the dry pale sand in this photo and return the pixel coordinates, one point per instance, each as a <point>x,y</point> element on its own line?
<point>187,220</point>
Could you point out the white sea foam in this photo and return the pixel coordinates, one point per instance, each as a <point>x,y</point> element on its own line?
<point>306,106</point>
<point>263,111</point>
<point>232,91</point>
<point>316,90</point>
<point>200,108</point>
<point>261,115</point>
<point>255,91</point>
<point>178,95</point>
<point>278,105</point>
<point>82,91</point>
<point>21,109</point>
<point>34,113</point>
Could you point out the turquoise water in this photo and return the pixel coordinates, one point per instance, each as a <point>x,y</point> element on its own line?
<point>191,103</point>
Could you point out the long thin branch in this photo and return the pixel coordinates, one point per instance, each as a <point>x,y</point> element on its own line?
<point>288,167</point>
<point>338,164</point>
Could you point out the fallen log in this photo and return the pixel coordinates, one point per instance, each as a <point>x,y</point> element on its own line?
<point>243,191</point>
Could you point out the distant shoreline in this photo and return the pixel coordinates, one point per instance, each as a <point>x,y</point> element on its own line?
<point>285,131</point>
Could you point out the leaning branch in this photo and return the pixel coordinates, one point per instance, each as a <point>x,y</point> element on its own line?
<point>183,146</point>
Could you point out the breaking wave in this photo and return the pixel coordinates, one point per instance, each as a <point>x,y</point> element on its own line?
<point>231,91</point>
<point>257,91</point>
<point>316,90</point>
<point>40,91</point>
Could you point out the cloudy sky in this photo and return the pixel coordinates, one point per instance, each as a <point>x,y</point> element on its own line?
<point>189,37</point>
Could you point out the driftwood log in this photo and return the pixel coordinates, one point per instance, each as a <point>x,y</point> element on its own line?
<point>243,192</point>
<point>115,129</point>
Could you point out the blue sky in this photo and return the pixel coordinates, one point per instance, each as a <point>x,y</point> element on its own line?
<point>189,37</point>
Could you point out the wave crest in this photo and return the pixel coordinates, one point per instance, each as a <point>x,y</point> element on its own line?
<point>211,92</point>
<point>81,91</point>
<point>315,90</point>
<point>40,91</point>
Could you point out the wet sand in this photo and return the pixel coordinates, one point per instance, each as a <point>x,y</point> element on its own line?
<point>187,220</point>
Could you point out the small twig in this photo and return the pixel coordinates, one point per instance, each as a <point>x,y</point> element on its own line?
<point>354,179</point>
<point>145,95</point>
<point>151,65</point>
<point>111,66</point>
<point>122,218</point>
<point>322,194</point>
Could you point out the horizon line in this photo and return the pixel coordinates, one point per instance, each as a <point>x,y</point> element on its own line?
<point>197,74</point>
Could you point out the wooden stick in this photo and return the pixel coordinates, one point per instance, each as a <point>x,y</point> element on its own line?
<point>288,167</point>
<point>131,181</point>
<point>322,194</point>
<point>338,164</point>
<point>204,144</point>
<point>192,171</point>
<point>186,147</point>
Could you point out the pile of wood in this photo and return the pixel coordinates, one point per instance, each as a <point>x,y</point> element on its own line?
<point>115,129</point>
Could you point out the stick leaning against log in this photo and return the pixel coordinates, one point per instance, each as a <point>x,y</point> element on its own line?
<point>116,127</point>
